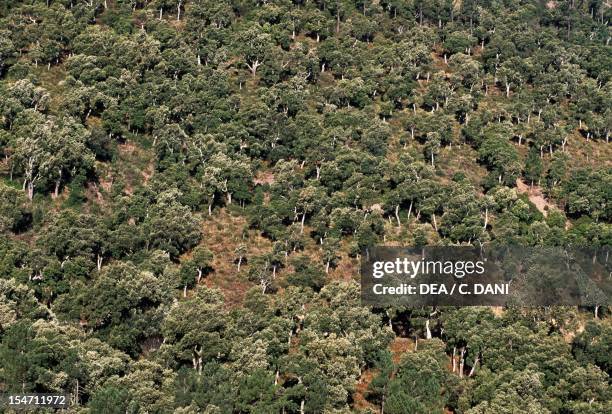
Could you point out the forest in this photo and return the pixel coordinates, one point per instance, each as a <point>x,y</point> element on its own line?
<point>187,187</point>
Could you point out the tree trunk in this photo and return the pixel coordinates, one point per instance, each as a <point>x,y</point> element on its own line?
<point>178,10</point>
<point>473,370</point>
<point>428,331</point>
<point>30,190</point>
<point>399,223</point>
<point>57,184</point>
<point>99,262</point>
<point>302,224</point>
<point>454,361</point>
<point>239,262</point>
<point>253,67</point>
<point>76,393</point>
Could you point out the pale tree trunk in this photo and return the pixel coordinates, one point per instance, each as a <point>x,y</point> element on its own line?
<point>428,331</point>
<point>399,223</point>
<point>57,184</point>
<point>253,67</point>
<point>197,359</point>
<point>461,362</point>
<point>99,262</point>
<point>30,190</point>
<point>76,392</point>
<point>239,262</point>
<point>473,370</point>
<point>454,361</point>
<point>178,10</point>
<point>302,224</point>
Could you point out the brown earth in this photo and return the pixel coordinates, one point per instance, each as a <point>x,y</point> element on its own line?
<point>535,196</point>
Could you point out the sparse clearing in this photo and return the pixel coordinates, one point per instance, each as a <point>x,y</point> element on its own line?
<point>535,196</point>
<point>222,234</point>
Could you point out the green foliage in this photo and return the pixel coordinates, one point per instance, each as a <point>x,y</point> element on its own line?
<point>186,188</point>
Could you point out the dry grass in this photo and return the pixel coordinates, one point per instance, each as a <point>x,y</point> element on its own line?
<point>361,390</point>
<point>399,347</point>
<point>222,234</point>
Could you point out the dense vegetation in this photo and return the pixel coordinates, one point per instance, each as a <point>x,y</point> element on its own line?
<point>186,187</point>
